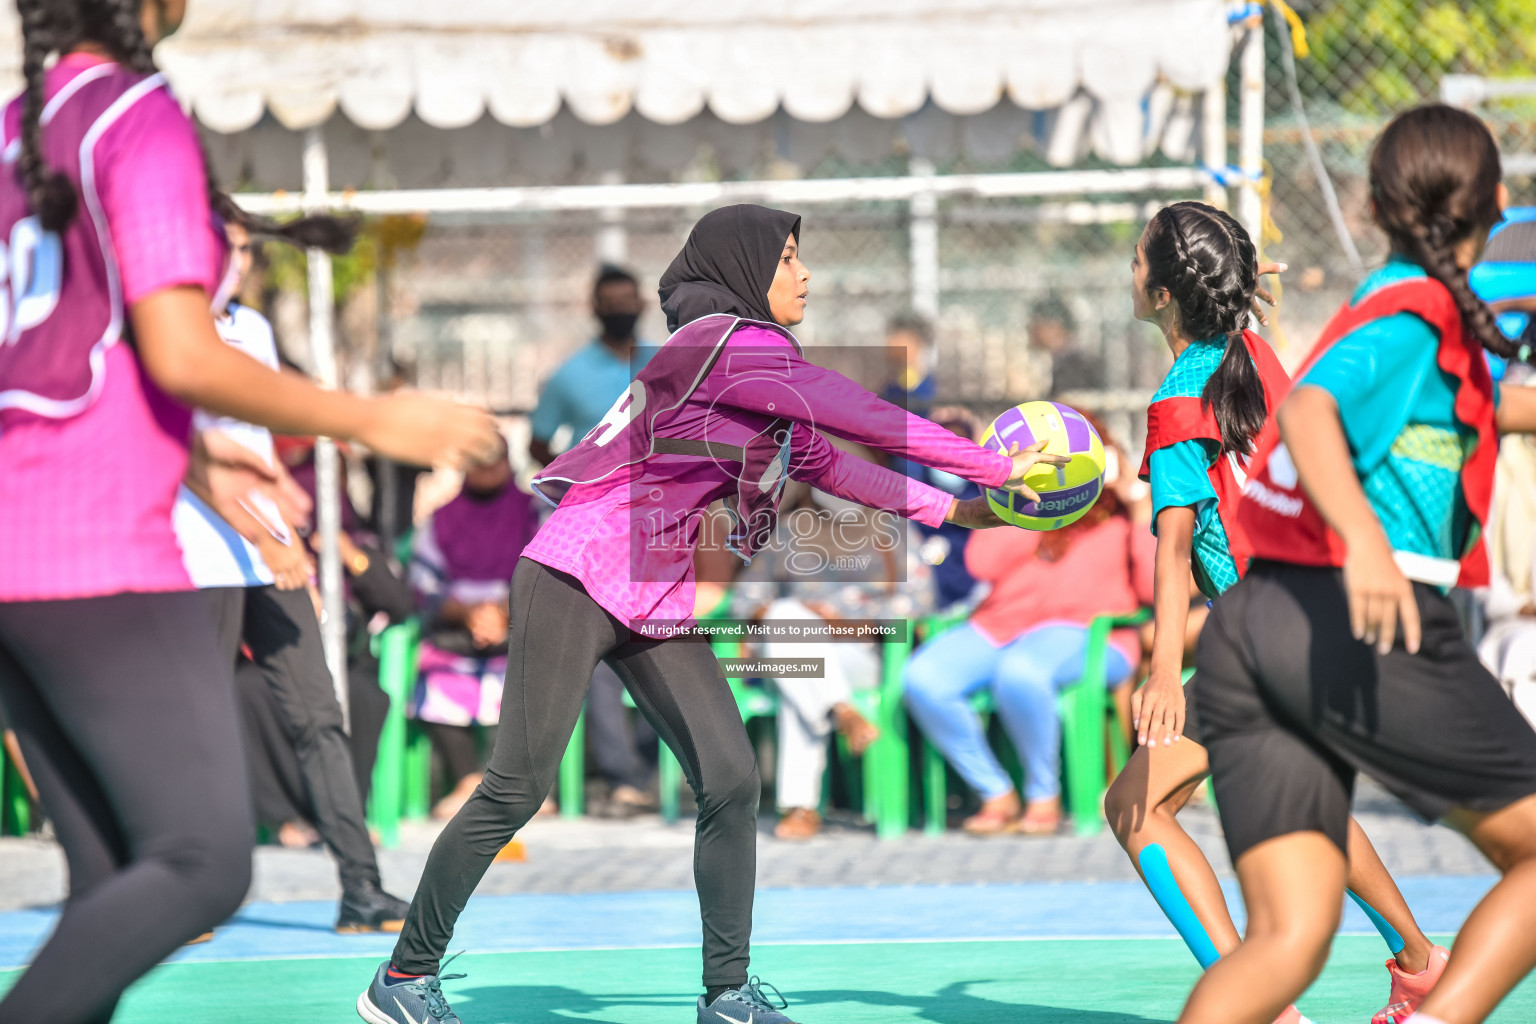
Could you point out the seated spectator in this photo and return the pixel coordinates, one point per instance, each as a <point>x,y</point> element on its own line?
<point>1025,641</point>
<point>810,571</point>
<point>461,568</point>
<point>1508,645</point>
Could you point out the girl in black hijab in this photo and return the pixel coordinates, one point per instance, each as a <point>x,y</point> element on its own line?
<point>609,577</point>
<point>728,265</point>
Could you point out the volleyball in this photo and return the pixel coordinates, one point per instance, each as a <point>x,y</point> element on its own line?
<point>1066,492</point>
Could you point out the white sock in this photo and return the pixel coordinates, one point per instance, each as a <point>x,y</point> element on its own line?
<point>1423,1018</point>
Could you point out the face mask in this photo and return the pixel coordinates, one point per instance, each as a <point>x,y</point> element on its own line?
<point>618,325</point>
<point>946,481</point>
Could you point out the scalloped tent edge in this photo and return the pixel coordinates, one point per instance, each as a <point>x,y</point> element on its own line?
<point>379,61</point>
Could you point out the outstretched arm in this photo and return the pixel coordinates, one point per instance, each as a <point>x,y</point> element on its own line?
<point>814,460</point>
<point>183,353</point>
<point>767,376</point>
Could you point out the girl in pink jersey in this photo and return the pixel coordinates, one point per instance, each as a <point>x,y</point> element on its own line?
<point>109,670</point>
<point>725,410</point>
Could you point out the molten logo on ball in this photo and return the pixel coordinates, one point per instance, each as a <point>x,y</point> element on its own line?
<point>1066,492</point>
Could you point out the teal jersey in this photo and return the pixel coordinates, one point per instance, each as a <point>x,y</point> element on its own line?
<point>1180,473</point>
<point>1396,405</point>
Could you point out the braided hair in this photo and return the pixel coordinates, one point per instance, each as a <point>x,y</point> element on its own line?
<point>1434,183</point>
<point>58,26</point>
<point>1210,267</point>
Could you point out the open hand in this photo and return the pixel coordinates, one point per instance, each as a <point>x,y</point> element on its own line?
<point>1260,292</point>
<point>1026,459</point>
<point>288,562</point>
<point>425,430</point>
<point>1379,595</point>
<point>223,472</point>
<point>1157,712</point>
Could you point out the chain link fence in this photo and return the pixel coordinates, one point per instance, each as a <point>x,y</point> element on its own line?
<point>1032,294</point>
<point>1370,60</point>
<point>1033,297</point>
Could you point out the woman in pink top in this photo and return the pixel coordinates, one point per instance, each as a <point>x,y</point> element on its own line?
<point>109,669</point>
<point>724,411</point>
<point>1025,641</point>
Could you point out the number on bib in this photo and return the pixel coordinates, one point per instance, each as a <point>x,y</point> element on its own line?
<point>620,415</point>
<point>32,267</point>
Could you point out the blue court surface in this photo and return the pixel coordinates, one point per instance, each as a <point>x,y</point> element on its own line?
<point>1077,953</point>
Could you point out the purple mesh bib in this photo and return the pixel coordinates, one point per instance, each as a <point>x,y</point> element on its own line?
<point>61,302</point>
<point>634,429</point>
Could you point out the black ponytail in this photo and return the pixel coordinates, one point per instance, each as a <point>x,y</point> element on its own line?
<point>58,26</point>
<point>1210,267</point>
<point>1236,394</point>
<point>1434,182</point>
<point>49,193</point>
<point>317,231</point>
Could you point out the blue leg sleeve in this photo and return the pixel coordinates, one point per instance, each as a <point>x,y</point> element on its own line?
<point>1394,941</point>
<point>1160,880</point>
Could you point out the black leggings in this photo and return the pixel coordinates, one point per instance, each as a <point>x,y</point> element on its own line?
<point>126,715</point>
<point>277,778</point>
<point>558,636</point>
<point>280,628</point>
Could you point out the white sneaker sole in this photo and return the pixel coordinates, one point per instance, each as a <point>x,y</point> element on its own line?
<point>371,1013</point>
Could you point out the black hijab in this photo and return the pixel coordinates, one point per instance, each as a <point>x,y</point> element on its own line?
<point>727,265</point>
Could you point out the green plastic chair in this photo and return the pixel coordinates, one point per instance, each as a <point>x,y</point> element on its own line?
<point>15,801</point>
<point>1083,707</point>
<point>402,773</point>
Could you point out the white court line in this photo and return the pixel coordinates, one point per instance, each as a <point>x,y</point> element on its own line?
<point>694,945</point>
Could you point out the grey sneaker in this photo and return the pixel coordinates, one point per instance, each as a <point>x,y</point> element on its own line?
<point>745,1005</point>
<point>419,1001</point>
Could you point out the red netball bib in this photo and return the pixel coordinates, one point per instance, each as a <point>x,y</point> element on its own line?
<point>1276,514</point>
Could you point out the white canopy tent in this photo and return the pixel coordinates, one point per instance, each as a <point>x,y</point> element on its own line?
<point>1120,82</point>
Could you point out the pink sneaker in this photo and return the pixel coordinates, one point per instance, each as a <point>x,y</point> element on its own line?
<point>1291,1016</point>
<point>1409,990</point>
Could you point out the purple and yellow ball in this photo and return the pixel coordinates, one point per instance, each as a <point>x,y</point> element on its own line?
<point>1066,492</point>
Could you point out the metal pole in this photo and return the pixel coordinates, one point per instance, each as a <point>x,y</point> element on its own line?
<point>923,235</point>
<point>676,195</point>
<point>1251,142</point>
<point>1213,148</point>
<point>612,237</point>
<point>322,348</point>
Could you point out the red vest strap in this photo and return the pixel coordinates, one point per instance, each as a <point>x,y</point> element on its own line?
<point>1187,418</point>
<point>1277,513</point>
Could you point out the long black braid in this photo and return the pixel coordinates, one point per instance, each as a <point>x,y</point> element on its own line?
<point>1209,265</point>
<point>58,26</point>
<point>1435,182</point>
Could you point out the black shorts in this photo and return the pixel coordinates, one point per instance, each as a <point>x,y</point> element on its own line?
<point>1291,706</point>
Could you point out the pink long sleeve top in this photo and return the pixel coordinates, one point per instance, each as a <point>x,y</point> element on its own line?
<point>86,502</point>
<point>630,538</point>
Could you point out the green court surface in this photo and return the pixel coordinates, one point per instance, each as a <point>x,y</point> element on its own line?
<point>1053,981</point>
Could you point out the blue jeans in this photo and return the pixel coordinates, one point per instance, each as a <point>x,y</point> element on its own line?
<point>1024,676</point>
